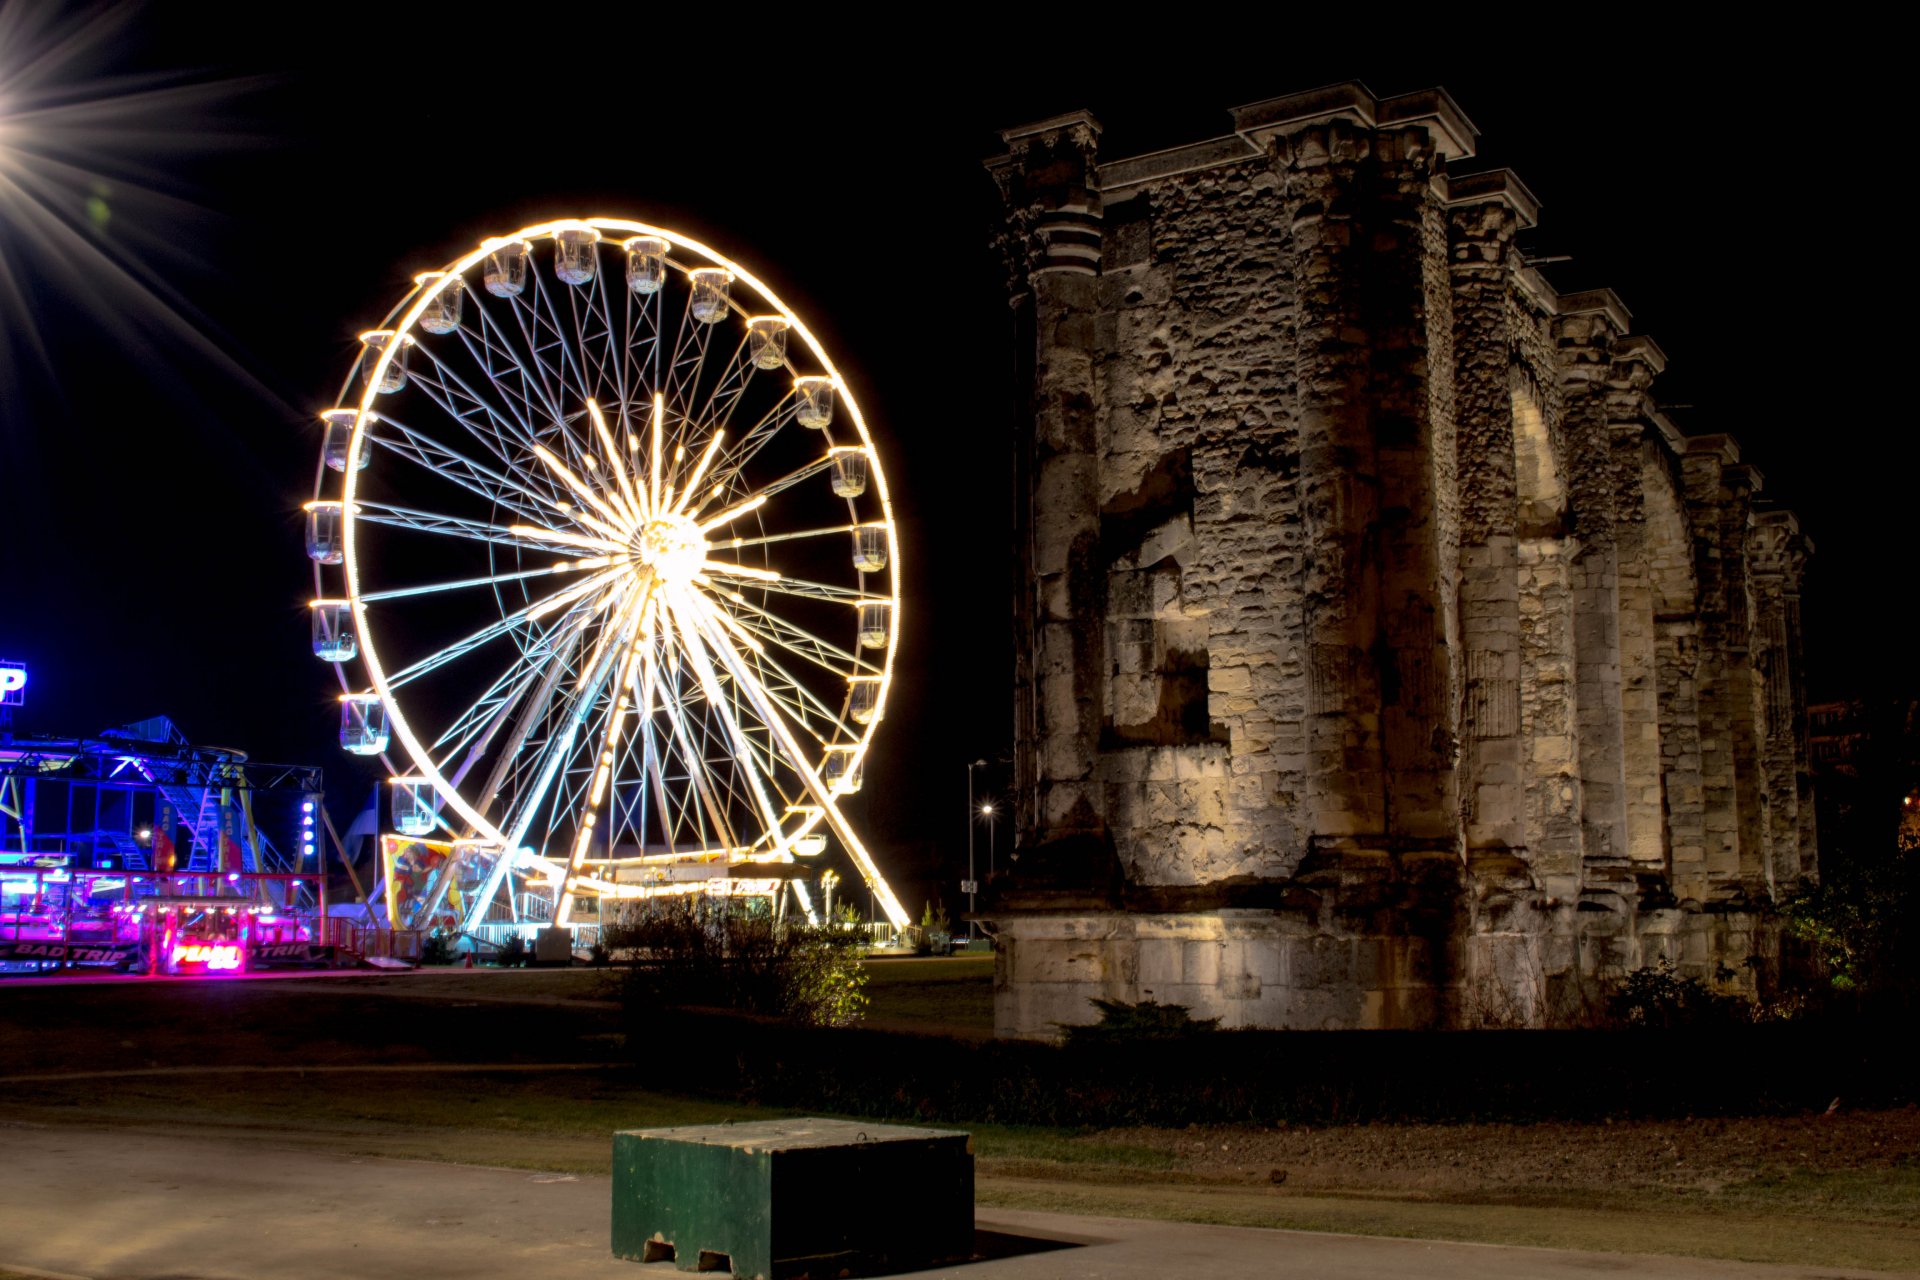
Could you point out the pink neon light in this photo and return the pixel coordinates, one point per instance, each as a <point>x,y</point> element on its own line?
<point>218,956</point>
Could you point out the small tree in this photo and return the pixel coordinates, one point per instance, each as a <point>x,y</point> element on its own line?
<point>1861,927</point>
<point>512,953</point>
<point>716,954</point>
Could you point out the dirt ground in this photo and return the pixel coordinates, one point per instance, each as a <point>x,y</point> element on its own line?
<point>1698,1156</point>
<point>524,1070</point>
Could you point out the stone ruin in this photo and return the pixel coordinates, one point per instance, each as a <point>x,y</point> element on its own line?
<point>1385,657</point>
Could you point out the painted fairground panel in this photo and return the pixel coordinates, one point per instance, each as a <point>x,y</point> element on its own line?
<point>430,883</point>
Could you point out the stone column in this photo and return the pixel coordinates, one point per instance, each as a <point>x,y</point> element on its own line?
<point>1719,492</point>
<point>1776,559</point>
<point>1485,212</point>
<point>1380,742</point>
<point>1635,363</point>
<point>1585,330</point>
<point>1049,182</point>
<point>1320,167</point>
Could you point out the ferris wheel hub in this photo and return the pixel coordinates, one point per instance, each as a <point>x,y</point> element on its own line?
<point>671,547</point>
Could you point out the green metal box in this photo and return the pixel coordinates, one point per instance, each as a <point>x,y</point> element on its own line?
<point>783,1199</point>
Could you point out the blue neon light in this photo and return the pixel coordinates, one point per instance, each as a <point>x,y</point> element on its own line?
<point>13,683</point>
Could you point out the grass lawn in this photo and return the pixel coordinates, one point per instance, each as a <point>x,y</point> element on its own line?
<point>950,995</point>
<point>412,1066</point>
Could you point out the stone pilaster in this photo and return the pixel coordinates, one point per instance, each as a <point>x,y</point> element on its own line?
<point>1048,181</point>
<point>1634,363</point>
<point>1777,559</point>
<point>1380,738</point>
<point>1719,492</point>
<point>1585,330</point>
<point>1485,214</point>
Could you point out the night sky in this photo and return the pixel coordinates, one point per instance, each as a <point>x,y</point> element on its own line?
<point>280,186</point>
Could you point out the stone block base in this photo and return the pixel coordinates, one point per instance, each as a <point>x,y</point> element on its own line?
<point>1279,970</point>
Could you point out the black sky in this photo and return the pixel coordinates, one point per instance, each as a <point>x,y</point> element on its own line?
<point>1737,195</point>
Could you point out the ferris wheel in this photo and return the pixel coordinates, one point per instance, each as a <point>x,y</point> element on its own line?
<point>602,544</point>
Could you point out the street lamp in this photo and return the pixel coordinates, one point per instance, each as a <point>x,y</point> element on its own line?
<point>972,886</point>
<point>987,811</point>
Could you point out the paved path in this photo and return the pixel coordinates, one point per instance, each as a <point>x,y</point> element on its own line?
<point>108,1205</point>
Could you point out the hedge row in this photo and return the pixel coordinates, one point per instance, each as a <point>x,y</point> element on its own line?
<point>1270,1077</point>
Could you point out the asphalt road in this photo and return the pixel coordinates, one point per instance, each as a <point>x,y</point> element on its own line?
<point>113,1205</point>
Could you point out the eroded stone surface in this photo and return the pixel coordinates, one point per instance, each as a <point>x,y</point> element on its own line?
<point>1384,657</point>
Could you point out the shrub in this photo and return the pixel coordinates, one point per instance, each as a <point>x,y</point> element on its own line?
<point>1858,926</point>
<point>512,953</point>
<point>935,932</point>
<point>438,949</point>
<point>1147,1020</point>
<point>1660,999</point>
<point>718,955</point>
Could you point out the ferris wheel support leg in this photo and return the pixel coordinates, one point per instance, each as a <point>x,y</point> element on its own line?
<point>503,865</point>
<point>603,668</point>
<point>806,900</point>
<point>869,870</point>
<point>692,623</point>
<point>499,874</point>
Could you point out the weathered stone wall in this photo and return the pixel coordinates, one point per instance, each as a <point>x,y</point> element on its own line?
<point>1384,657</point>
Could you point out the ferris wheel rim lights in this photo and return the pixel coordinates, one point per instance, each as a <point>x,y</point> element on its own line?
<point>631,236</point>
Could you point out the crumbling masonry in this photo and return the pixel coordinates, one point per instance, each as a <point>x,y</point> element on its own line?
<point>1385,657</point>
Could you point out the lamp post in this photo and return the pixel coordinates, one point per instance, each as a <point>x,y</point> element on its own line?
<point>972,885</point>
<point>987,811</point>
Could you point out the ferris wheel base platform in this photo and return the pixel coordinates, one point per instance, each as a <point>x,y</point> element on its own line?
<point>771,1199</point>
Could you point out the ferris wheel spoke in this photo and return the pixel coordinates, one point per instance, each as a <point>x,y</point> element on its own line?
<point>774,487</point>
<point>602,578</point>
<point>797,639</point>
<point>642,319</point>
<point>726,394</point>
<point>504,436</point>
<point>503,367</point>
<point>689,361</point>
<point>593,330</point>
<point>539,316</point>
<point>767,539</point>
<point>707,818</point>
<point>448,463</point>
<point>575,598</point>
<point>734,462</point>
<point>559,747</point>
<point>491,351</point>
<point>802,696</point>
<point>652,770</point>
<point>617,525</point>
<point>685,609</point>
<point>544,380</point>
<point>810,778</point>
<point>702,743</point>
<point>815,653</point>
<point>618,465</point>
<point>807,590</point>
<point>369,511</point>
<point>507,689</point>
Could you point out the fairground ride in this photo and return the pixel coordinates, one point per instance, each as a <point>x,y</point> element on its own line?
<point>602,545</point>
<point>137,850</point>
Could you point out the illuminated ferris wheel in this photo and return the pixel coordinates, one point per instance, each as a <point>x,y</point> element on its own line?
<point>603,545</point>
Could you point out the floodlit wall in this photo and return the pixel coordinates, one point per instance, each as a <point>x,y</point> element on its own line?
<point>1384,657</point>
